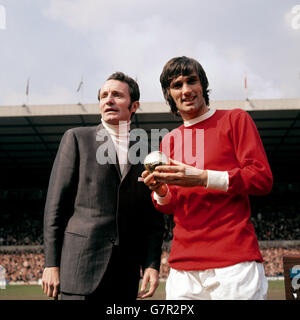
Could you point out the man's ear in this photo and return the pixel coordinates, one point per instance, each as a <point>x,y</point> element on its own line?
<point>134,106</point>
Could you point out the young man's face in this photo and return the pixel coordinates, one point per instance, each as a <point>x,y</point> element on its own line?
<point>115,102</point>
<point>187,93</point>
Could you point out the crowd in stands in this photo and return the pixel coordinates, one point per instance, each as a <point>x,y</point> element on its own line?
<point>278,218</point>
<point>27,230</point>
<point>22,267</point>
<point>28,266</point>
<point>21,222</point>
<point>274,218</point>
<point>273,259</point>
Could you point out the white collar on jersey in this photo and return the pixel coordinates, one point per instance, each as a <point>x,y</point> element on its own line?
<point>203,117</point>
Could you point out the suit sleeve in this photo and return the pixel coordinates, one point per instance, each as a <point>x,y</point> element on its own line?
<point>60,197</point>
<point>155,227</point>
<point>253,176</point>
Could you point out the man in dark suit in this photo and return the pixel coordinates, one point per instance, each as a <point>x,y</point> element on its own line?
<point>100,226</point>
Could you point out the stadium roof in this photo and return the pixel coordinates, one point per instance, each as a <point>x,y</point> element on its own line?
<point>30,135</point>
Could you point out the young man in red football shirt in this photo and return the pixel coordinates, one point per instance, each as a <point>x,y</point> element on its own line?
<point>217,160</point>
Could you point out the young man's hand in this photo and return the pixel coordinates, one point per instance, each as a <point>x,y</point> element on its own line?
<point>160,188</point>
<point>178,173</point>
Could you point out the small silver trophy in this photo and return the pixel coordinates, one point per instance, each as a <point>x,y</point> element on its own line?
<point>154,159</point>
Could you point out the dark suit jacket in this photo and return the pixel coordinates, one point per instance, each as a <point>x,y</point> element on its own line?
<point>90,207</point>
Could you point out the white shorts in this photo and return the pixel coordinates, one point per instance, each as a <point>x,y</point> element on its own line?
<point>242,281</point>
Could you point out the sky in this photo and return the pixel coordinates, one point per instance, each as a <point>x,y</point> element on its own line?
<point>56,43</point>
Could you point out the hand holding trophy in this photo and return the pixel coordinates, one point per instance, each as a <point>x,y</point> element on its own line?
<point>153,160</point>
<point>171,172</point>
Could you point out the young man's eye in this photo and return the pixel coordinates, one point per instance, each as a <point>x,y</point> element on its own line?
<point>176,85</point>
<point>192,80</point>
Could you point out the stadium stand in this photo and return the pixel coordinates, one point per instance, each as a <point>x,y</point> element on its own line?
<point>21,250</point>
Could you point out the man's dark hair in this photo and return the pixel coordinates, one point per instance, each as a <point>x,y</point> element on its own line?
<point>133,87</point>
<point>182,66</point>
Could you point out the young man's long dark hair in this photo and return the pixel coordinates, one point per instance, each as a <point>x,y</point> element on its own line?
<point>182,66</point>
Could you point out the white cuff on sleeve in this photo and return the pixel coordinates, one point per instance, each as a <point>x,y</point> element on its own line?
<point>162,201</point>
<point>217,180</point>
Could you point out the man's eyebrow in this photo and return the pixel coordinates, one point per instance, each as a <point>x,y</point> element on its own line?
<point>174,81</point>
<point>112,91</point>
<point>192,77</point>
<point>117,91</point>
<point>189,77</point>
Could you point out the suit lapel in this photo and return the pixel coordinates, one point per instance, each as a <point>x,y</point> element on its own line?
<point>104,137</point>
<point>142,144</point>
<point>128,165</point>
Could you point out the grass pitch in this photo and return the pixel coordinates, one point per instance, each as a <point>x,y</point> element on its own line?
<point>34,292</point>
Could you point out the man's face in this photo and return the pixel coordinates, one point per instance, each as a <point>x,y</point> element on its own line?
<point>187,93</point>
<point>115,103</point>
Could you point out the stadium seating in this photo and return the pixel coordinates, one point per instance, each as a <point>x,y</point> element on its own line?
<point>275,217</point>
